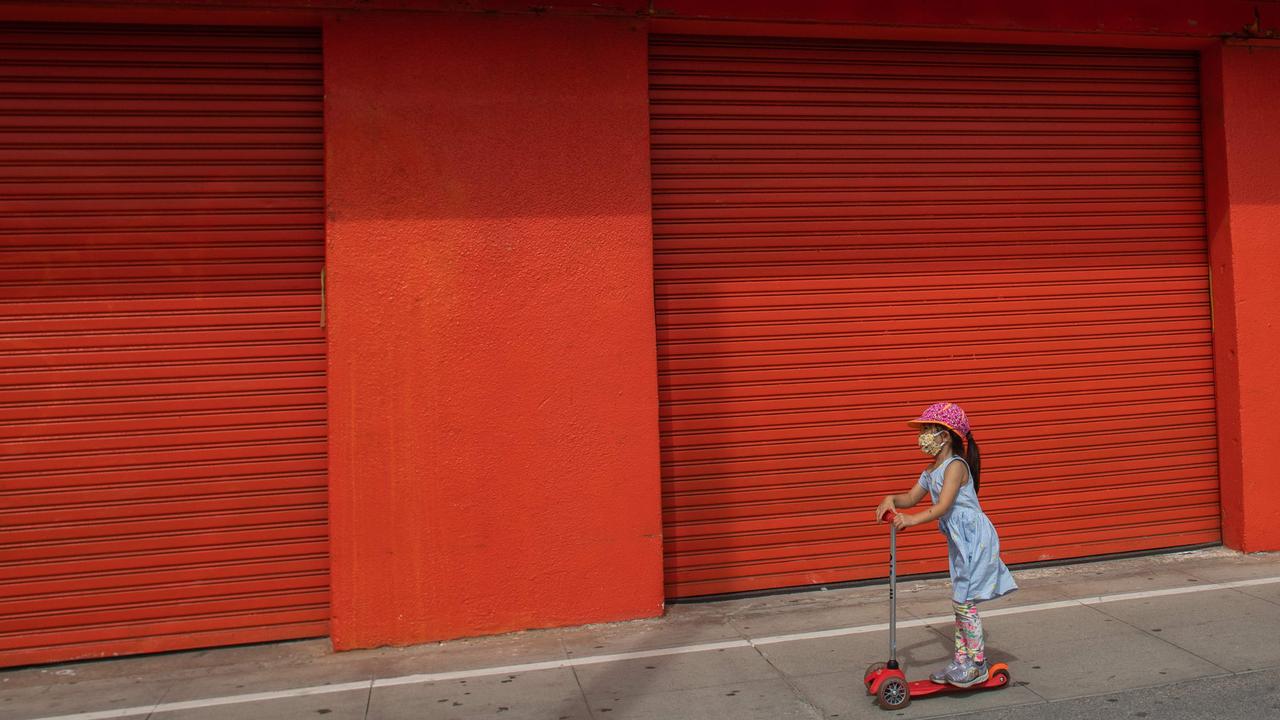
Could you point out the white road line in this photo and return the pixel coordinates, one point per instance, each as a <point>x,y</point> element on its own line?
<point>366,685</point>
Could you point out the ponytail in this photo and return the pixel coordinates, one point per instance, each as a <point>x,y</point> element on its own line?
<point>971,456</point>
<point>974,458</point>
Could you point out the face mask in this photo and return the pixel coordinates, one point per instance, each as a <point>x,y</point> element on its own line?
<point>930,442</point>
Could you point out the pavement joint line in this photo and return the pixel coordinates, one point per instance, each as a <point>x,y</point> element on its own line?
<point>368,702</point>
<point>796,690</point>
<point>423,678</point>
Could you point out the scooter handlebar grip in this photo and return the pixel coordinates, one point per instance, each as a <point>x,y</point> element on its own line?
<point>888,516</point>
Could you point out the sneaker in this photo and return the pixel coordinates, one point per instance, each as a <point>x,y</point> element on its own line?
<point>969,674</point>
<point>939,676</point>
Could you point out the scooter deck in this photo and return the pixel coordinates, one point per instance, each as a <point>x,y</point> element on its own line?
<point>997,676</point>
<point>894,691</point>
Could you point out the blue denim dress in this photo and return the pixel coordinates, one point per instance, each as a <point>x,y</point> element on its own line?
<point>973,548</point>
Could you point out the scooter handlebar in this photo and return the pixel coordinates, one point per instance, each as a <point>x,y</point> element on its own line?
<point>888,516</point>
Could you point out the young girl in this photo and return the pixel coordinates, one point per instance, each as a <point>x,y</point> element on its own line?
<point>973,548</point>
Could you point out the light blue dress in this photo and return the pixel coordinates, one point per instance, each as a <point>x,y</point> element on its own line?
<point>973,548</point>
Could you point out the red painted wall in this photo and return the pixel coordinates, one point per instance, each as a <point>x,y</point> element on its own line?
<point>1242,153</point>
<point>494,449</point>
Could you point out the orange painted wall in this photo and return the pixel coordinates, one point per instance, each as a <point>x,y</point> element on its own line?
<point>494,449</point>
<point>1242,154</point>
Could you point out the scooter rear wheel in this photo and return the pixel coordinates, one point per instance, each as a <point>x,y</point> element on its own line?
<point>894,694</point>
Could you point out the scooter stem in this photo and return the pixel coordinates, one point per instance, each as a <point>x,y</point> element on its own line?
<point>893,597</point>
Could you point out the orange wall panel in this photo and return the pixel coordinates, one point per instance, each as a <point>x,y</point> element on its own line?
<point>1242,152</point>
<point>490,298</point>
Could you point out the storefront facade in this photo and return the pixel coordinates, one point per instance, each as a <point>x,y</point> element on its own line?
<point>395,323</point>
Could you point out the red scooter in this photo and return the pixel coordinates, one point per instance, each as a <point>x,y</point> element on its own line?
<point>887,681</point>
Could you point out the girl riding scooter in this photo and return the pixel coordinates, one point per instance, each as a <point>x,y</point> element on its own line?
<point>973,548</point>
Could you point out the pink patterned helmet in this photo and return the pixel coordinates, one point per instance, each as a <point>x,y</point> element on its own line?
<point>946,414</point>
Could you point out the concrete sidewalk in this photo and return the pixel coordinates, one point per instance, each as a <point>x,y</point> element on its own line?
<point>1075,631</point>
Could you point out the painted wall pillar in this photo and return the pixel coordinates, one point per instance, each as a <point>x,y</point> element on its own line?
<point>493,393</point>
<point>1242,163</point>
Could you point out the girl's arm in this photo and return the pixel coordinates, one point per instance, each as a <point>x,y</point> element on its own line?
<point>901,500</point>
<point>952,480</point>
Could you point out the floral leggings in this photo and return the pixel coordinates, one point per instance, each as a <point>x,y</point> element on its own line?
<point>969,641</point>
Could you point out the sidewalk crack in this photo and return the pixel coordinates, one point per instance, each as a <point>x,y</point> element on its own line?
<point>582,692</point>
<point>159,701</point>
<point>815,711</point>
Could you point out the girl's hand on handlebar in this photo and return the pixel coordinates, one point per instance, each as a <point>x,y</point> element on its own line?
<point>903,521</point>
<point>885,506</point>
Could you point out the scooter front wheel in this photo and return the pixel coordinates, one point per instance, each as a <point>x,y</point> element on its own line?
<point>894,694</point>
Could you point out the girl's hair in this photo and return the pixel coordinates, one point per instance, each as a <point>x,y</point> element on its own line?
<point>971,455</point>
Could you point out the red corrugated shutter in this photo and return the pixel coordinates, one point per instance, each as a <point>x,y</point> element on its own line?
<point>162,364</point>
<point>847,232</point>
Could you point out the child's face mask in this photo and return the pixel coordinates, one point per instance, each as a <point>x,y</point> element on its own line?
<point>931,441</point>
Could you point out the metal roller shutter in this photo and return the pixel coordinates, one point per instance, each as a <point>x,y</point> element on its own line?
<point>846,232</point>
<point>162,364</point>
